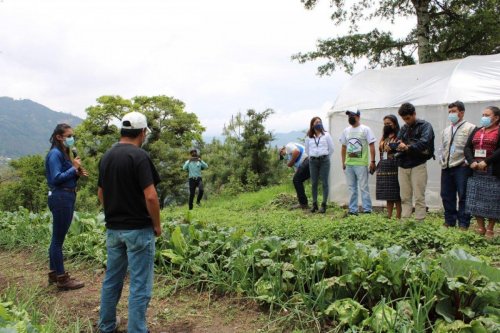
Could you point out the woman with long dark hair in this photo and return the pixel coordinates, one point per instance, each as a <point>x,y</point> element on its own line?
<point>387,185</point>
<point>482,153</point>
<point>319,148</point>
<point>62,173</point>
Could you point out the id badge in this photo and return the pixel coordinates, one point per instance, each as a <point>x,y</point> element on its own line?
<point>452,149</point>
<point>480,153</point>
<point>384,155</point>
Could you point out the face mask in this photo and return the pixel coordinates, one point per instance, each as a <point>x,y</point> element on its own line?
<point>146,138</point>
<point>453,117</point>
<point>388,130</point>
<point>485,121</point>
<point>69,142</point>
<point>318,127</point>
<point>352,120</point>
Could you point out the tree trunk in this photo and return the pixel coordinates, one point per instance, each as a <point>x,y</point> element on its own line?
<point>423,21</point>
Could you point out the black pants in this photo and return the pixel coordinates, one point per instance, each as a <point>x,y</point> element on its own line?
<point>301,175</point>
<point>193,184</point>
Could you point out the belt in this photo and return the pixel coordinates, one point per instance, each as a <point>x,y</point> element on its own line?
<point>66,189</point>
<point>322,157</point>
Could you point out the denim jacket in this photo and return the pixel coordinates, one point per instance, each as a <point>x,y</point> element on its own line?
<point>59,171</point>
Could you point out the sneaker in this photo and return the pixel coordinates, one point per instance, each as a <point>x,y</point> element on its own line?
<point>198,204</point>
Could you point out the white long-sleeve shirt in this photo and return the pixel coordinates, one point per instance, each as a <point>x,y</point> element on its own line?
<point>319,146</point>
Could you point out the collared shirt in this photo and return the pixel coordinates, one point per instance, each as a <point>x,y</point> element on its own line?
<point>319,146</point>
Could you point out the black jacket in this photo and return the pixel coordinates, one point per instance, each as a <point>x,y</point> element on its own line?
<point>493,160</point>
<point>420,141</point>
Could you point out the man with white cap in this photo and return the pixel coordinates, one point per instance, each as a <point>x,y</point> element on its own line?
<point>126,189</point>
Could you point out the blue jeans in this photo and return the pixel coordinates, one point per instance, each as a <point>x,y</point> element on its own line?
<point>357,175</point>
<point>62,206</point>
<point>134,249</point>
<point>319,169</point>
<point>453,184</point>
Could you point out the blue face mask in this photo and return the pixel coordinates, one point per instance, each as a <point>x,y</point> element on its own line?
<point>69,142</point>
<point>318,127</point>
<point>453,117</point>
<point>485,121</point>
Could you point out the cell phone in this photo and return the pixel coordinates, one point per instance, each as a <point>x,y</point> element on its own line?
<point>393,145</point>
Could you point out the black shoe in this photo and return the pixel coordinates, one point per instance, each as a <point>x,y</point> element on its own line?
<point>353,213</point>
<point>368,212</point>
<point>322,210</point>
<point>314,207</point>
<point>198,204</point>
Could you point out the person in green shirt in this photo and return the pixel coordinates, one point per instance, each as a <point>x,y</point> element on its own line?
<point>194,166</point>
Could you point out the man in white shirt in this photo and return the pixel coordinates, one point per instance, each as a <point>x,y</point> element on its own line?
<point>297,158</point>
<point>455,170</point>
<point>356,140</point>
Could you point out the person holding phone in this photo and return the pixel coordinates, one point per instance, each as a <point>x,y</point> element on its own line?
<point>387,184</point>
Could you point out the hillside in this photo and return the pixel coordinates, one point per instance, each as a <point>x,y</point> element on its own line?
<point>25,126</point>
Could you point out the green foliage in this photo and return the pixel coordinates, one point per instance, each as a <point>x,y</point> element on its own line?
<point>13,319</point>
<point>444,30</point>
<point>174,131</point>
<point>244,161</point>
<point>26,185</point>
<point>368,274</point>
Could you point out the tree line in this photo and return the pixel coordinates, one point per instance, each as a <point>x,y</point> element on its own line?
<point>243,161</point>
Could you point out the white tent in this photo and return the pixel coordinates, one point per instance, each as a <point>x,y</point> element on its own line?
<point>430,87</point>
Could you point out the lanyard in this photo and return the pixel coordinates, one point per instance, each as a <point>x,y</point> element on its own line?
<point>482,137</point>
<point>317,142</point>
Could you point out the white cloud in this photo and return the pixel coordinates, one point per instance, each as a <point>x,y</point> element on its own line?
<point>219,57</point>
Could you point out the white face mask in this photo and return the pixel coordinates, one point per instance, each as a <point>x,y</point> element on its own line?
<point>147,135</point>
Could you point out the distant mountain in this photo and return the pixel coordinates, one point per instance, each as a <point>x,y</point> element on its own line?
<point>26,126</point>
<point>281,139</point>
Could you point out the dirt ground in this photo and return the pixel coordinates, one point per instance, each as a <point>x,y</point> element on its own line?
<point>186,310</point>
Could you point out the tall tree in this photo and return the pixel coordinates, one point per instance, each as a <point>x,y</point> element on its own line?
<point>445,29</point>
<point>174,131</point>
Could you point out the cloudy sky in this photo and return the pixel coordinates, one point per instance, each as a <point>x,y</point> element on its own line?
<point>219,57</point>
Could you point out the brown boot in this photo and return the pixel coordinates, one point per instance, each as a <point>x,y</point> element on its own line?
<point>65,282</point>
<point>52,277</point>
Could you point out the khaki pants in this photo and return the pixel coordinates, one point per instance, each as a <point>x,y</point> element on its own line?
<point>412,183</point>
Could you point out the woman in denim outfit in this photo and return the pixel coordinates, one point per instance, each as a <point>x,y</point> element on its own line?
<point>62,174</point>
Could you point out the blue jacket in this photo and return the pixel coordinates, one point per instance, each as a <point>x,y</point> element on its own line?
<point>59,171</point>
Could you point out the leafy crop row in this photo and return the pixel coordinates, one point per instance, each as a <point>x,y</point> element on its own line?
<point>340,284</point>
<point>15,320</point>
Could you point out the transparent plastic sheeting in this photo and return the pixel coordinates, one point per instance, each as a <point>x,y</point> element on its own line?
<point>430,87</point>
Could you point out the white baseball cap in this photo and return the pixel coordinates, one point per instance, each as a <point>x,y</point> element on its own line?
<point>135,120</point>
